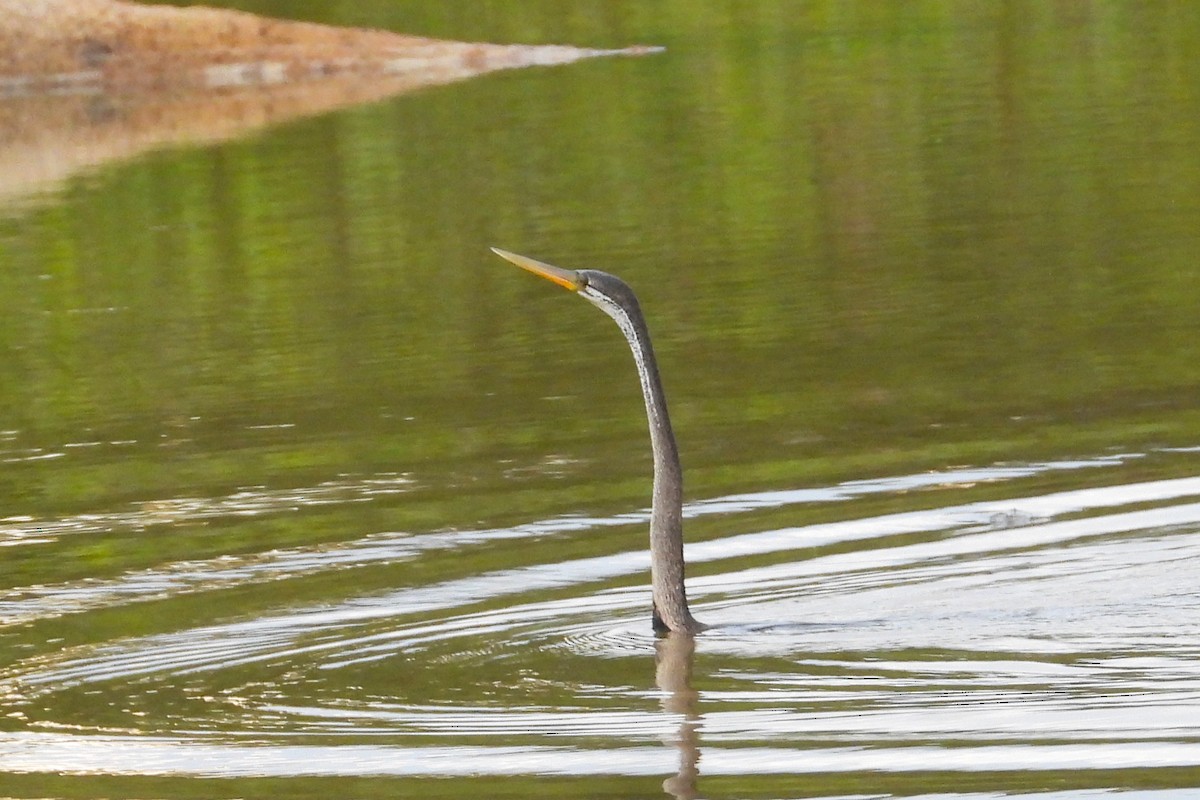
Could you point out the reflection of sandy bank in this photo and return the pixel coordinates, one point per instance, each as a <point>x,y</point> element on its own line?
<point>83,82</point>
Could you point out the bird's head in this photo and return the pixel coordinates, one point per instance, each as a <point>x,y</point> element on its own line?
<point>609,292</point>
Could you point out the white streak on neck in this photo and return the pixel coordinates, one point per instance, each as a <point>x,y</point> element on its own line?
<point>635,344</point>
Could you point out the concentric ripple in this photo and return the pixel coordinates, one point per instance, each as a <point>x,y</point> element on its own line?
<point>1050,631</point>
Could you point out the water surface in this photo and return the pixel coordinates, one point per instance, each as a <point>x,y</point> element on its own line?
<point>306,493</point>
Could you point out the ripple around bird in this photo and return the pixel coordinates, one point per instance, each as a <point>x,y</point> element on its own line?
<point>1051,631</point>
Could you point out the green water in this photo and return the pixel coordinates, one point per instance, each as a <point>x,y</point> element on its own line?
<point>247,384</point>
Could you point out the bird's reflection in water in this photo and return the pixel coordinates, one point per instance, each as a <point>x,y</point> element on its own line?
<point>673,675</point>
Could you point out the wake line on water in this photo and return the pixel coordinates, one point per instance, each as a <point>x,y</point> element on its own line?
<point>291,634</point>
<point>115,755</point>
<point>27,604</point>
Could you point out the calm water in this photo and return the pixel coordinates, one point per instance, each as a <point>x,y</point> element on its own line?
<point>306,494</point>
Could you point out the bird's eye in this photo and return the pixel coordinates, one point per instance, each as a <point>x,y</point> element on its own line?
<point>583,281</point>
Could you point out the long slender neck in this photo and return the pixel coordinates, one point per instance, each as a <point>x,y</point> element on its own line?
<point>666,516</point>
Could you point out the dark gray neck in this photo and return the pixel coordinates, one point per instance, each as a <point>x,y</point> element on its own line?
<point>666,516</point>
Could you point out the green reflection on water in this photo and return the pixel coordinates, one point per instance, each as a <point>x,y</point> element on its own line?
<point>852,231</point>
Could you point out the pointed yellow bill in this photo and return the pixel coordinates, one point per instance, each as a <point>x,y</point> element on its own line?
<point>566,278</point>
